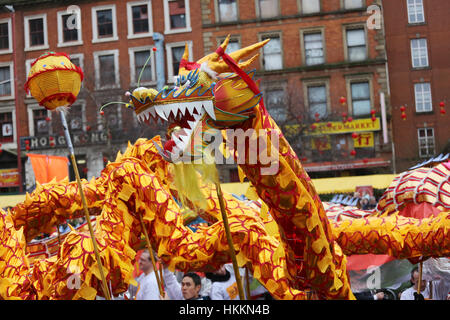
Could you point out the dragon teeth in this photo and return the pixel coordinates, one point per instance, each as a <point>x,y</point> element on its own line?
<point>160,112</point>
<point>209,108</point>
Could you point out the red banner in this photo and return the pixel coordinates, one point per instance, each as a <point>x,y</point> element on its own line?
<point>48,167</point>
<point>9,178</point>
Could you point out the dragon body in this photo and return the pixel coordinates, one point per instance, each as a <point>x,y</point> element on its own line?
<point>290,245</point>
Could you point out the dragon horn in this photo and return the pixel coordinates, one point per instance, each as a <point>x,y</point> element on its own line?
<point>182,70</point>
<point>221,66</point>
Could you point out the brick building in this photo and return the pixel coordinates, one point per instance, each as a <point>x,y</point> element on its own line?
<point>111,41</point>
<point>418,50</point>
<point>319,52</point>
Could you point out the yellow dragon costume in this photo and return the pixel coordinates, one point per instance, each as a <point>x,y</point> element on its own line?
<point>292,248</point>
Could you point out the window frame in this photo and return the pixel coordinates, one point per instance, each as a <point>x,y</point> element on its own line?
<point>95,38</point>
<point>9,64</point>
<point>26,29</point>
<point>316,83</point>
<point>82,103</point>
<point>261,37</point>
<point>217,12</point>
<point>258,10</point>
<point>307,31</point>
<point>419,52</point>
<point>233,38</point>
<point>96,55</point>
<point>364,5</point>
<point>415,97</point>
<point>13,144</point>
<point>359,79</point>
<point>366,42</point>
<point>426,140</point>
<point>167,29</point>
<point>10,48</point>
<point>284,107</point>
<point>32,107</point>
<point>300,6</point>
<point>133,76</point>
<point>415,14</point>
<point>169,47</point>
<point>131,34</point>
<point>61,42</point>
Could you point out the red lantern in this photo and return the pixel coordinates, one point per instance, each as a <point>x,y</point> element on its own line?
<point>349,119</point>
<point>342,100</point>
<point>102,113</point>
<point>374,118</point>
<point>354,135</point>
<point>27,148</point>
<point>344,114</point>
<point>365,160</point>
<point>329,124</point>
<point>353,153</point>
<point>402,108</point>
<point>313,126</point>
<point>442,105</point>
<point>372,112</point>
<point>47,119</point>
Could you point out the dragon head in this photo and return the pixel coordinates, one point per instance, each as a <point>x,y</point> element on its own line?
<point>207,95</point>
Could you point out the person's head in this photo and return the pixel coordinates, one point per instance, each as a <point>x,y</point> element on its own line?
<point>191,285</point>
<point>221,271</point>
<point>372,200</point>
<point>415,279</point>
<point>364,201</point>
<point>356,194</point>
<point>145,262</point>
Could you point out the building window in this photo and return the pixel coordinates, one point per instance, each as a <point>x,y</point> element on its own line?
<point>272,54</point>
<point>7,127</point>
<point>415,11</point>
<point>107,69</point>
<point>422,92</point>
<point>174,53</point>
<point>268,8</point>
<point>104,25</point>
<point>356,44</point>
<point>5,36</point>
<point>426,142</point>
<point>276,105</point>
<point>6,74</point>
<point>36,32</point>
<point>69,29</point>
<point>138,58</point>
<point>419,53</point>
<point>353,4</point>
<point>310,6</point>
<point>313,43</point>
<point>360,92</point>
<point>227,10</point>
<point>317,101</point>
<point>76,118</point>
<point>40,122</point>
<point>139,19</point>
<point>177,16</point>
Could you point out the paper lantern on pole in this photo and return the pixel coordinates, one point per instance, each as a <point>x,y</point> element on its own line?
<point>54,81</point>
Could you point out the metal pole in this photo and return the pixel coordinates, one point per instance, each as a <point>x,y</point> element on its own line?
<point>16,78</point>
<point>83,200</point>
<point>158,38</point>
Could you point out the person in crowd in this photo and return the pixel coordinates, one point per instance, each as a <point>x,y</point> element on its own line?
<point>411,293</point>
<point>189,289</point>
<point>224,286</point>
<point>365,203</point>
<point>367,295</point>
<point>372,203</point>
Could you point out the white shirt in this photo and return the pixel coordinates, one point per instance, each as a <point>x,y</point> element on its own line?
<point>148,287</point>
<point>408,294</point>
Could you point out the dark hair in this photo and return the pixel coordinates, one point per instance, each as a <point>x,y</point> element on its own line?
<point>195,277</point>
